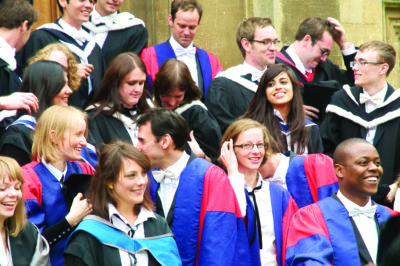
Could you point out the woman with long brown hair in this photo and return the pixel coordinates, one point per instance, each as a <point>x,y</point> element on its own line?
<point>119,102</point>
<point>123,216</point>
<point>278,105</point>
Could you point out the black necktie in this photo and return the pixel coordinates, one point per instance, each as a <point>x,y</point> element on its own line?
<point>256,214</point>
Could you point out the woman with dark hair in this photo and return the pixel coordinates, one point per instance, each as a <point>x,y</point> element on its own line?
<point>278,105</point>
<point>124,230</point>
<point>120,101</point>
<point>175,89</point>
<point>48,81</point>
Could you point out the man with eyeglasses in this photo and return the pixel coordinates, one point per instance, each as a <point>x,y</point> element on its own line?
<point>308,58</point>
<point>231,91</point>
<point>369,110</point>
<point>184,21</point>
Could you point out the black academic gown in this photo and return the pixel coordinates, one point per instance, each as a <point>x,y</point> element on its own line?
<point>205,128</point>
<point>24,247</point>
<point>227,100</point>
<point>346,118</point>
<point>132,39</point>
<point>41,38</point>
<point>16,142</point>
<point>104,128</point>
<point>84,249</point>
<point>9,81</point>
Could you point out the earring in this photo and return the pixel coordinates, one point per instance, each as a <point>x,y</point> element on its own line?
<point>110,186</point>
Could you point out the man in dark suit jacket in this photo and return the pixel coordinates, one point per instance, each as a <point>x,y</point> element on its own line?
<point>308,58</point>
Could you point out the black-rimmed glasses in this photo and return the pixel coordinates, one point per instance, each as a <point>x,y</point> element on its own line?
<point>363,63</point>
<point>250,146</point>
<point>268,42</point>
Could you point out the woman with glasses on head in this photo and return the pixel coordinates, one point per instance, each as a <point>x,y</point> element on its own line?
<point>245,146</point>
<point>124,229</point>
<point>278,105</point>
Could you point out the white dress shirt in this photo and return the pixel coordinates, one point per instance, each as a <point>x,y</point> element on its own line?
<point>370,106</point>
<point>263,198</point>
<point>366,225</point>
<point>7,53</point>
<point>81,36</point>
<point>186,55</point>
<point>168,186</point>
<point>54,171</point>
<point>279,176</point>
<point>137,229</point>
<point>96,18</point>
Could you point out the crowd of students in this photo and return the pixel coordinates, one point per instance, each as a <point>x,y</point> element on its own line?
<point>115,153</point>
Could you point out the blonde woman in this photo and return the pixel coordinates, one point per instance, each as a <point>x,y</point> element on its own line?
<point>59,138</point>
<point>20,241</point>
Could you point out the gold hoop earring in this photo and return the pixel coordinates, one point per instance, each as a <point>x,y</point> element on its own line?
<point>110,186</point>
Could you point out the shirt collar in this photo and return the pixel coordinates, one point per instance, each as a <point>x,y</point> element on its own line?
<point>79,35</point>
<point>299,65</point>
<point>179,165</point>
<point>143,216</point>
<point>381,94</point>
<point>7,53</point>
<point>348,204</point>
<point>256,74</point>
<point>175,45</point>
<point>54,171</point>
<point>96,18</point>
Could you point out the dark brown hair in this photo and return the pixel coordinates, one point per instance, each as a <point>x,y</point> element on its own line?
<point>174,74</point>
<point>247,29</point>
<point>108,94</point>
<point>315,27</point>
<point>261,110</point>
<point>164,121</point>
<point>109,170</point>
<point>14,12</point>
<point>185,5</point>
<point>386,53</point>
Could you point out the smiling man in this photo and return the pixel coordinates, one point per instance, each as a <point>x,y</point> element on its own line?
<point>342,229</point>
<point>308,57</point>
<point>370,110</point>
<point>184,21</point>
<point>230,93</point>
<point>116,32</point>
<point>68,30</point>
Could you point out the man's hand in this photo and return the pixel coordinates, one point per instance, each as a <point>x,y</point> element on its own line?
<point>310,112</point>
<point>20,100</point>
<point>84,70</point>
<point>341,40</point>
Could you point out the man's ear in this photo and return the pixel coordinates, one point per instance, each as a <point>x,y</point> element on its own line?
<point>24,26</point>
<point>166,141</point>
<point>339,170</point>
<point>384,69</point>
<point>246,44</point>
<point>170,21</point>
<point>306,40</point>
